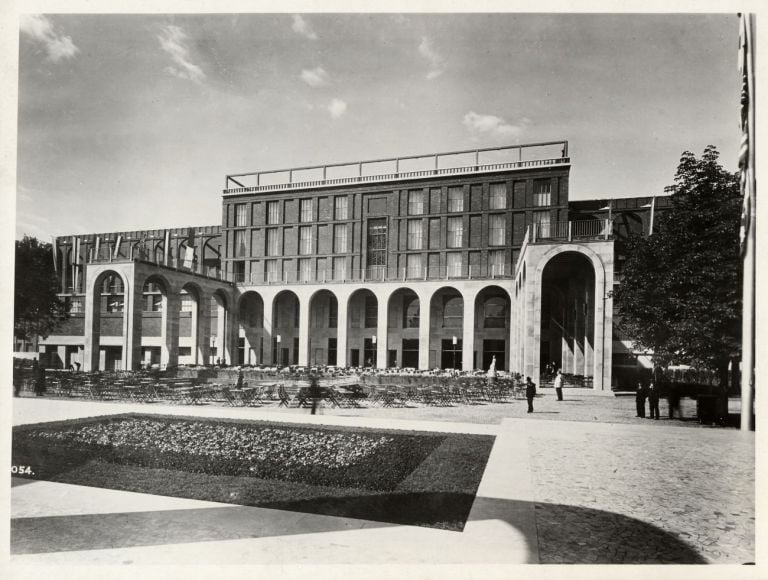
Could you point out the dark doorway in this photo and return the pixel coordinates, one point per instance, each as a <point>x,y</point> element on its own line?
<point>411,352</point>
<point>493,348</point>
<point>354,357</point>
<point>451,354</point>
<point>392,358</point>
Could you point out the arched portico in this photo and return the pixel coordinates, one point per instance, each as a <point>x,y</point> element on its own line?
<point>528,310</point>
<point>251,336</point>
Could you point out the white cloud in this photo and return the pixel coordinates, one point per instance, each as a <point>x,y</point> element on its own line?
<point>493,125</point>
<point>337,108</point>
<point>40,29</point>
<point>301,26</point>
<point>173,40</point>
<point>316,77</point>
<point>436,62</point>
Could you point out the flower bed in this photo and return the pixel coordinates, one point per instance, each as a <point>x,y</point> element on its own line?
<point>317,456</point>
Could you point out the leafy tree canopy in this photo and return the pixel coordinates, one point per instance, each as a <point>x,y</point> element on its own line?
<point>36,308</point>
<point>680,294</point>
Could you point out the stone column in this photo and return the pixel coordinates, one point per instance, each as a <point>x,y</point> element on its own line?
<point>132,311</point>
<point>468,336</point>
<point>203,323</point>
<point>169,348</point>
<point>424,322</point>
<point>304,343</point>
<point>341,330</point>
<point>269,301</point>
<point>92,329</point>
<point>382,331</point>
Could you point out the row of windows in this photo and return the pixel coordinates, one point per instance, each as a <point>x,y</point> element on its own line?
<point>415,236</point>
<point>417,202</point>
<point>277,270</point>
<point>306,211</point>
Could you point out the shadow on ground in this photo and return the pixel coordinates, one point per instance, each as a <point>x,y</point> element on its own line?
<point>566,534</point>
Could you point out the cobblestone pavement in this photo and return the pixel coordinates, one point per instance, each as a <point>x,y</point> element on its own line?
<point>644,495</point>
<point>607,487</point>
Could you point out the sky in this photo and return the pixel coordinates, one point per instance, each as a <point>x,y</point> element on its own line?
<point>132,121</point>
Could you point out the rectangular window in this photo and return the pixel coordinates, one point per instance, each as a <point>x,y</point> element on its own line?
<point>414,268</point>
<point>272,269</point>
<point>410,311</point>
<point>115,303</point>
<point>185,351</point>
<point>455,199</point>
<point>240,215</point>
<point>239,243</point>
<point>498,196</point>
<point>273,212</point>
<point>76,305</point>
<point>333,314</point>
<point>332,351</point>
<point>340,244</point>
<point>154,303</point>
<point>371,312</point>
<point>305,270</point>
<point>542,193</point>
<point>453,264</point>
<point>416,202</point>
<point>305,240</point>
<point>187,303</point>
<point>339,269</point>
<point>340,208</point>
<point>496,263</point>
<point>541,224</point>
<point>496,229</point>
<point>272,242</point>
<point>305,210</point>
<point>455,232</point>
<point>415,235</point>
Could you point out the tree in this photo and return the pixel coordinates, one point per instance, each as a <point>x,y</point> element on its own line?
<point>680,293</point>
<point>36,308</point>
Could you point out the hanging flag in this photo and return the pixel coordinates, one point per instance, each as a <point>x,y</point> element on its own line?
<point>747,119</point>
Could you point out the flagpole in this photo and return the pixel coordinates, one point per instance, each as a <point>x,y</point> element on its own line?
<point>748,184</point>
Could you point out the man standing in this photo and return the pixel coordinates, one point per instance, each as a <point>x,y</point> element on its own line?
<point>640,396</point>
<point>653,400</point>
<point>559,385</point>
<point>530,392</point>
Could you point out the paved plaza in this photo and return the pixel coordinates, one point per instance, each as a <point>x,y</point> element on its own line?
<point>578,481</point>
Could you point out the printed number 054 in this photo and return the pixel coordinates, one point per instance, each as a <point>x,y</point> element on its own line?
<point>21,469</point>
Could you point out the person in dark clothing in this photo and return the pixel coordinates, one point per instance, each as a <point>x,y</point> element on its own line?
<point>38,372</point>
<point>530,392</point>
<point>653,400</point>
<point>640,397</point>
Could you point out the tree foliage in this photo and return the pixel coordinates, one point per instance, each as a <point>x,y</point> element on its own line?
<point>680,294</point>
<point>36,308</point>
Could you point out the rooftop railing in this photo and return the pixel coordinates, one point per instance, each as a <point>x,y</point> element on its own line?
<point>413,167</point>
<point>570,231</point>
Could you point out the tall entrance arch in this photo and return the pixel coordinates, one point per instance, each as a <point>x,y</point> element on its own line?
<point>492,328</point>
<point>251,337</point>
<point>404,315</point>
<point>568,315</point>
<point>446,336</point>
<point>362,328</point>
<point>285,328</point>
<point>323,328</point>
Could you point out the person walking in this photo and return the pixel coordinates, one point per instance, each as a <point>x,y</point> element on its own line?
<point>653,400</point>
<point>559,385</point>
<point>640,396</point>
<point>530,392</point>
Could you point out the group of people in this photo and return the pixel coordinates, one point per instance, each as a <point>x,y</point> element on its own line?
<point>650,393</point>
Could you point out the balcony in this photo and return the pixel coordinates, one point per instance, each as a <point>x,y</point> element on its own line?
<point>376,274</point>
<point>570,231</point>
<point>191,266</point>
<point>401,168</point>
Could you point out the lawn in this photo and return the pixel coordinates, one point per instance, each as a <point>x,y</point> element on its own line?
<point>404,477</point>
